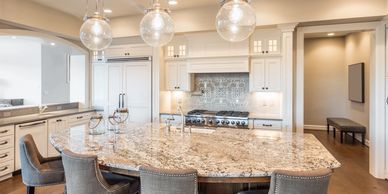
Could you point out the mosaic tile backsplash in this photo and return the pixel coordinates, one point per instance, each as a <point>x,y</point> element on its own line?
<point>227,91</point>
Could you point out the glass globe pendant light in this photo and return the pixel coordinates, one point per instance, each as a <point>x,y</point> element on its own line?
<point>157,27</point>
<point>236,20</point>
<point>95,32</point>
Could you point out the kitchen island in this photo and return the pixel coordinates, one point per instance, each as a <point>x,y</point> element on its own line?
<point>226,159</point>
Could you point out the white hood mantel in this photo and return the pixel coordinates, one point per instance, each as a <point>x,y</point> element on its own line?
<point>238,64</point>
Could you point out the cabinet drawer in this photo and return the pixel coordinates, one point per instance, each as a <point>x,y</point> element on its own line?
<point>6,155</point>
<point>6,142</point>
<point>6,167</point>
<point>268,124</point>
<point>7,130</point>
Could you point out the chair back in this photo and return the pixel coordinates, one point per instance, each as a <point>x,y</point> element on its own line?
<point>311,182</point>
<point>30,160</point>
<point>82,174</point>
<point>160,181</point>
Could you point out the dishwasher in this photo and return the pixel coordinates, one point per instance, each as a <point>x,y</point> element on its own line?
<point>38,130</point>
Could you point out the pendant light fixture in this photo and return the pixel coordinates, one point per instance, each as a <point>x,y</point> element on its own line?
<point>236,20</point>
<point>157,27</point>
<point>95,32</point>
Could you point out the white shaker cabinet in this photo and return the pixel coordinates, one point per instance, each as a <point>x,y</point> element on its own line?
<point>53,126</point>
<point>38,130</point>
<point>265,75</point>
<point>177,77</point>
<point>266,42</point>
<point>7,147</point>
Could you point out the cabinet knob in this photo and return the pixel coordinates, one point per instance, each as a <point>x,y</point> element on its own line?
<point>263,88</point>
<point>266,88</point>
<point>262,52</point>
<point>266,51</point>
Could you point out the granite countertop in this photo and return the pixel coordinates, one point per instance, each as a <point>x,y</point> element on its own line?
<point>46,115</point>
<point>214,153</point>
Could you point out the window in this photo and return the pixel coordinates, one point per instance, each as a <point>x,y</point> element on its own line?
<point>272,45</point>
<point>170,51</point>
<point>257,46</point>
<point>182,50</point>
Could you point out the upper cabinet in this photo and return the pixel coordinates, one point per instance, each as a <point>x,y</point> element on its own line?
<point>132,50</point>
<point>266,42</point>
<point>265,75</point>
<point>177,48</point>
<point>177,77</point>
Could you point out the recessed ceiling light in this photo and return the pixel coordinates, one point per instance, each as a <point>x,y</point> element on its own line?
<point>107,11</point>
<point>172,2</point>
<point>330,34</point>
<point>52,43</point>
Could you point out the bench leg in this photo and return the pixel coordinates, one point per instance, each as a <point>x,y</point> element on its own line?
<point>354,137</point>
<point>363,138</point>
<point>342,136</point>
<point>328,127</point>
<point>334,132</point>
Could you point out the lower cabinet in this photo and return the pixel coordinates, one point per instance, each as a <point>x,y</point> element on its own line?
<point>55,124</point>
<point>267,124</point>
<point>38,130</point>
<point>7,149</point>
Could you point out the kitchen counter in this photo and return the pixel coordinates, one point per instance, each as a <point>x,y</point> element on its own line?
<point>221,153</point>
<point>46,115</point>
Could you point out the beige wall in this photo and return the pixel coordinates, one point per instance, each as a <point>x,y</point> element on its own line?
<point>325,89</point>
<point>28,14</point>
<point>326,78</point>
<point>267,12</point>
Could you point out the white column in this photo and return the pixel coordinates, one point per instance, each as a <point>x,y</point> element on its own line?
<point>288,59</point>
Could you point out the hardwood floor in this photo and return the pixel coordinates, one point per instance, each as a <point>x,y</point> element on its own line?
<point>352,178</point>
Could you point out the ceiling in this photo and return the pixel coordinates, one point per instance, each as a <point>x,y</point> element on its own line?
<point>119,7</point>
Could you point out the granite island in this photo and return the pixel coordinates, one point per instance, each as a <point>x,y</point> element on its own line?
<point>226,159</point>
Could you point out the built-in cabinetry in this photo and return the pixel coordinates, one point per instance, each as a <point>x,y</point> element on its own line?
<point>265,75</point>
<point>177,77</point>
<point>38,130</point>
<point>266,42</point>
<point>124,84</point>
<point>127,51</point>
<point>7,148</point>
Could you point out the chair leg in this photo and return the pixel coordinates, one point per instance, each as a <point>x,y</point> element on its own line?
<point>354,137</point>
<point>328,127</point>
<point>30,190</point>
<point>363,138</point>
<point>334,132</point>
<point>342,136</point>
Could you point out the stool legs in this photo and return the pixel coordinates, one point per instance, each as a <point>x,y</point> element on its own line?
<point>328,127</point>
<point>342,136</point>
<point>363,138</point>
<point>334,132</point>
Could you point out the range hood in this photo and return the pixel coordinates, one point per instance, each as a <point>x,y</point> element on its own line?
<point>238,64</point>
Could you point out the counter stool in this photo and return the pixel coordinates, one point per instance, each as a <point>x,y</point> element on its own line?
<point>311,182</point>
<point>161,181</point>
<point>36,170</point>
<point>84,176</point>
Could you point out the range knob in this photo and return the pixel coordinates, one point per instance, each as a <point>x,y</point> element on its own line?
<point>217,121</point>
<point>223,122</point>
<point>232,122</point>
<point>210,121</point>
<point>188,121</point>
<point>242,122</point>
<point>194,121</point>
<point>203,121</point>
<point>227,122</point>
<point>198,120</point>
<point>237,122</point>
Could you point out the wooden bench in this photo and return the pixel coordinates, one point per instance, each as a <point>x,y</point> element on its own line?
<point>345,125</point>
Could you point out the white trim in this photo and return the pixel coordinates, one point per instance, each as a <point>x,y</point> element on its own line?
<point>316,127</point>
<point>377,93</point>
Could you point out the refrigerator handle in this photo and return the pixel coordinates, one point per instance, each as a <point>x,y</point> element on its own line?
<point>120,100</point>
<point>123,100</point>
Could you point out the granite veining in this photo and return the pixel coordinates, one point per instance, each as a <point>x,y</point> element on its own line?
<point>219,153</point>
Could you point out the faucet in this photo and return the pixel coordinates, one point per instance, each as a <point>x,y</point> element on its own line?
<point>182,118</point>
<point>42,108</point>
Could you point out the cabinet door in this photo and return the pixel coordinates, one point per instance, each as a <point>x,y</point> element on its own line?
<point>137,89</point>
<point>184,78</point>
<point>172,75</point>
<point>115,86</point>
<point>273,75</point>
<point>100,86</point>
<point>257,75</point>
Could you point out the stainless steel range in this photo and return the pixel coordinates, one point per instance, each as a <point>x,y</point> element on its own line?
<point>232,119</point>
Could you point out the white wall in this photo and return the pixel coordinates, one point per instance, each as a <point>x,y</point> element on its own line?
<point>55,86</point>
<point>20,70</point>
<point>78,79</point>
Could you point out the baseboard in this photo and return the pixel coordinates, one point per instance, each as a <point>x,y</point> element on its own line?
<point>324,128</point>
<point>316,127</point>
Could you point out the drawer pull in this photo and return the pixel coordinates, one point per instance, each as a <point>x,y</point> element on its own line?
<point>3,156</point>
<point>80,117</point>
<point>5,131</point>
<point>267,125</point>
<point>59,120</point>
<point>4,169</point>
<point>4,143</point>
<point>32,125</point>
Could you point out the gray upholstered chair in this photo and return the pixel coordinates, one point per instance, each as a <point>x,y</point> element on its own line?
<point>36,170</point>
<point>84,176</point>
<point>288,182</point>
<point>160,181</point>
